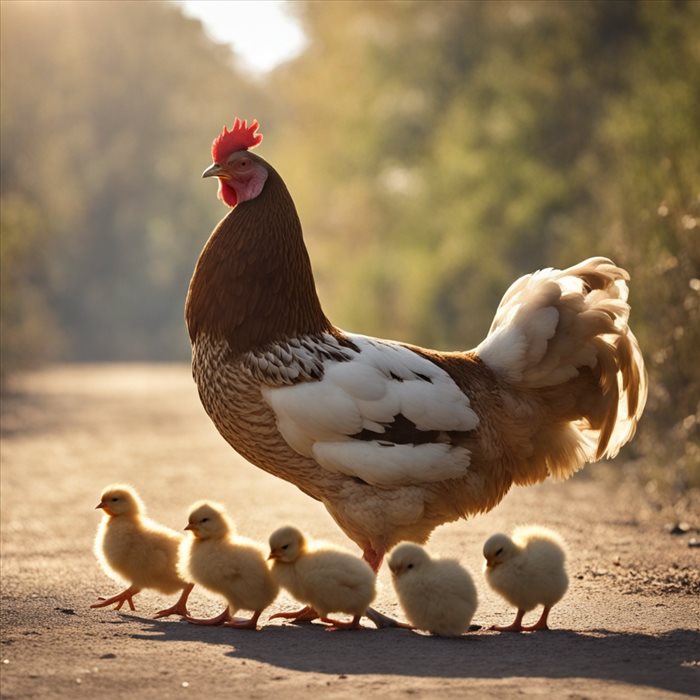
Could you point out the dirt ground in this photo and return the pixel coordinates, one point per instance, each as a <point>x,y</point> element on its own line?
<point>629,626</point>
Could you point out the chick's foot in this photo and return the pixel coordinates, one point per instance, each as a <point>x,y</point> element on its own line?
<point>306,614</point>
<point>541,624</point>
<point>218,620</point>
<point>251,624</point>
<point>515,626</point>
<point>121,598</point>
<point>180,608</point>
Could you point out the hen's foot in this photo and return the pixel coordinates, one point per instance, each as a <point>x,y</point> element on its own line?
<point>121,598</point>
<point>381,621</point>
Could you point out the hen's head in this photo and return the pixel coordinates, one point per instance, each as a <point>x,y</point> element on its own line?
<point>241,174</point>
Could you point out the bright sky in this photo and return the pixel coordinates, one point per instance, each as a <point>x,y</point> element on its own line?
<point>263,32</point>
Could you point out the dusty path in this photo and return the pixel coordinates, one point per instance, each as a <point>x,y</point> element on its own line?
<point>628,628</point>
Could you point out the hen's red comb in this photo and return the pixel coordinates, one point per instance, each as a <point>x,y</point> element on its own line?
<point>241,137</point>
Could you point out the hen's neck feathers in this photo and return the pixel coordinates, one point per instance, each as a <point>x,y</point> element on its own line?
<point>253,283</point>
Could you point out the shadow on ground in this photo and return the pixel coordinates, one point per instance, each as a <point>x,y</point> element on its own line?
<point>600,654</point>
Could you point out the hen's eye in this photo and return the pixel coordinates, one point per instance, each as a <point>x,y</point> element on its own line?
<point>499,551</point>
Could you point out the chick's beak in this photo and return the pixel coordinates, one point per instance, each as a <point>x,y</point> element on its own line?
<point>274,554</point>
<point>189,526</point>
<point>215,170</point>
<point>490,562</point>
<point>100,505</point>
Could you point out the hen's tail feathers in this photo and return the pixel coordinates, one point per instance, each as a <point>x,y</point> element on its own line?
<point>565,332</point>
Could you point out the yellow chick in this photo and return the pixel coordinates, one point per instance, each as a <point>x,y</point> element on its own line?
<point>327,579</point>
<point>527,570</point>
<point>234,567</point>
<point>437,595</point>
<point>133,548</point>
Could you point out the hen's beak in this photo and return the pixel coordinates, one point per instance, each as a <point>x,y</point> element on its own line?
<point>215,170</point>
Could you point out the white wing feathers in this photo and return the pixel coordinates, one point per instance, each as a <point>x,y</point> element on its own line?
<point>323,419</point>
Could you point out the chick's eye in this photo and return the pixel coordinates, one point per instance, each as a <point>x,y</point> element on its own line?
<point>285,546</point>
<point>115,499</point>
<point>499,551</point>
<point>205,520</point>
<point>410,566</point>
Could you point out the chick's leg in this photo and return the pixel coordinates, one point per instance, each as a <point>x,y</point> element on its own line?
<point>354,624</point>
<point>121,598</point>
<point>516,626</point>
<point>251,624</point>
<point>180,608</point>
<point>218,620</point>
<point>541,624</point>
<point>306,614</point>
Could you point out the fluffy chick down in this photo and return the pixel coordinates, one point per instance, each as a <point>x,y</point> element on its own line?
<point>527,569</point>
<point>320,575</point>
<point>437,595</point>
<point>134,549</point>
<point>225,563</point>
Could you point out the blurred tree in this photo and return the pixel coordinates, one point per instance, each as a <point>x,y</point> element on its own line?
<point>108,112</point>
<point>438,150</point>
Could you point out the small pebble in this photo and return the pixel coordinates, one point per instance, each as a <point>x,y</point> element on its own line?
<point>185,684</point>
<point>108,656</point>
<point>679,529</point>
<point>6,661</point>
<point>693,542</point>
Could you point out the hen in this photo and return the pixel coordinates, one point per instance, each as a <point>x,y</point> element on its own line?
<point>392,438</point>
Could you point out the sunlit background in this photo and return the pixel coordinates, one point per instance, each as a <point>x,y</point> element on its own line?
<point>435,150</point>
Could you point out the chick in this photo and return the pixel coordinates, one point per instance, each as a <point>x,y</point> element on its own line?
<point>527,570</point>
<point>437,595</point>
<point>327,579</point>
<point>131,547</point>
<point>233,567</point>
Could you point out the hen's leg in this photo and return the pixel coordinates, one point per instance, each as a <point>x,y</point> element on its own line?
<point>375,559</point>
<point>218,620</point>
<point>541,624</point>
<point>180,608</point>
<point>121,598</point>
<point>516,626</point>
